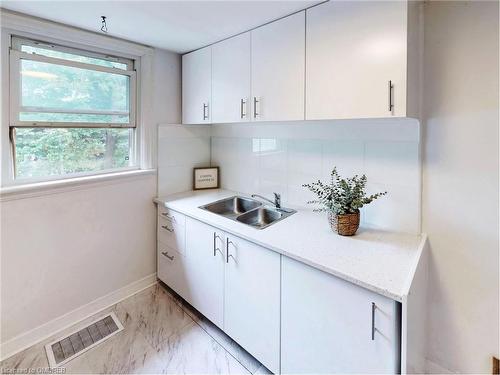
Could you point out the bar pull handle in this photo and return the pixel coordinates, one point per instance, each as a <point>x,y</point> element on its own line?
<point>255,101</point>
<point>215,244</point>
<point>166,215</point>
<point>165,253</point>
<point>167,228</point>
<point>390,87</point>
<point>227,249</point>
<point>373,320</point>
<point>205,111</point>
<point>243,104</point>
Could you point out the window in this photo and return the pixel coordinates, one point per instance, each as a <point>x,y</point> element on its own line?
<point>72,111</point>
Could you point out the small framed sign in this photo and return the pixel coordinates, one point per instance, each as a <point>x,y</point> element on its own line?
<point>205,178</point>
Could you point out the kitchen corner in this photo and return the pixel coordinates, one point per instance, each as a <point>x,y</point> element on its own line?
<point>295,281</point>
<point>378,260</point>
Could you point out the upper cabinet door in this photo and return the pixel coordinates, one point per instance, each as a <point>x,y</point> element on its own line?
<point>197,86</point>
<point>252,299</point>
<point>278,67</point>
<point>231,80</point>
<point>356,60</point>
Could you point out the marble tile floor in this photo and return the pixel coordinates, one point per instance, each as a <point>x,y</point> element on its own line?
<point>162,335</point>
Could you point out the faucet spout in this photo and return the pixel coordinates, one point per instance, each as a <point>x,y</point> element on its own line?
<point>276,202</point>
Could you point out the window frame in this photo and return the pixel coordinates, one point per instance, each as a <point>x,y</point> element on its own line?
<point>15,57</point>
<point>133,64</point>
<point>18,41</point>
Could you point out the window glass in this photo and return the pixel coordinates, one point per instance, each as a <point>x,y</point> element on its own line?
<point>59,87</point>
<point>42,152</point>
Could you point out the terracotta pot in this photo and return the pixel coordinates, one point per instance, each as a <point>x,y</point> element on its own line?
<point>345,225</point>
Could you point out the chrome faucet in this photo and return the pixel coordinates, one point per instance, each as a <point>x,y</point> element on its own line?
<point>277,199</point>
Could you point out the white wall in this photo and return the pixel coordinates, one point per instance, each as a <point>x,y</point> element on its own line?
<point>460,183</point>
<point>167,87</point>
<point>64,249</point>
<point>280,157</point>
<point>167,82</point>
<point>180,149</point>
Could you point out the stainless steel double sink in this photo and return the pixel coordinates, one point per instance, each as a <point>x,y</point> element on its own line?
<point>248,211</point>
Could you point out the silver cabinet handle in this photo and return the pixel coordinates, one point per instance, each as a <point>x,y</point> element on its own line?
<point>373,320</point>
<point>167,228</point>
<point>390,87</point>
<point>255,101</point>
<point>165,253</point>
<point>227,249</point>
<point>215,244</point>
<point>166,215</point>
<point>243,103</point>
<point>205,111</point>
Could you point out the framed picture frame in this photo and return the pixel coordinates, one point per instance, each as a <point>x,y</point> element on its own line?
<point>205,178</point>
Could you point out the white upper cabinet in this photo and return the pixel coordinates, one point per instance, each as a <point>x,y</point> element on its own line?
<point>231,80</point>
<point>278,68</point>
<point>350,60</point>
<point>197,86</point>
<point>252,300</point>
<point>356,59</point>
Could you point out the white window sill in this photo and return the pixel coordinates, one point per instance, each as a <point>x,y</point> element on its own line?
<point>57,186</point>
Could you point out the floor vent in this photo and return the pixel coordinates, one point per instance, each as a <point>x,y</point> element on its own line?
<point>65,349</point>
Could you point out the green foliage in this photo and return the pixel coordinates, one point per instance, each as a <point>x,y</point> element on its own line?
<point>44,152</point>
<point>341,196</point>
<point>49,85</point>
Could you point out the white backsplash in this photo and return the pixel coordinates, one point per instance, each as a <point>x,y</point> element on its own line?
<point>279,157</point>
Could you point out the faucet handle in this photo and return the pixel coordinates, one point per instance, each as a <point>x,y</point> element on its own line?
<point>277,200</point>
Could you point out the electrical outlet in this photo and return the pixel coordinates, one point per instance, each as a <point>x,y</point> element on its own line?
<point>496,366</point>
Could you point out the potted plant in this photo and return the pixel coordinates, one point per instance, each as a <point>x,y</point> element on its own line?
<point>342,199</point>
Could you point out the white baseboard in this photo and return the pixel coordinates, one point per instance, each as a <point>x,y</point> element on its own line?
<point>40,333</point>
<point>434,368</point>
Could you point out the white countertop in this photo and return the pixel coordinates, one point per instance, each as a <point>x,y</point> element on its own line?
<point>381,261</point>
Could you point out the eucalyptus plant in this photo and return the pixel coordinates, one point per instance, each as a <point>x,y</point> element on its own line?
<point>341,196</point>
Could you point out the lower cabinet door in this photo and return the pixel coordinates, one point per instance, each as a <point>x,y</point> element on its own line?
<point>326,325</point>
<point>252,299</point>
<point>205,269</point>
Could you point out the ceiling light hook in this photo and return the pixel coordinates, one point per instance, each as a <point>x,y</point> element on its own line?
<point>104,27</point>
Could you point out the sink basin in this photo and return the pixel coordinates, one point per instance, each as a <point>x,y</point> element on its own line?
<point>233,206</point>
<point>260,217</point>
<point>248,211</point>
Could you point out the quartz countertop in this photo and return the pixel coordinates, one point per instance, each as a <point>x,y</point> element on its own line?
<point>381,261</point>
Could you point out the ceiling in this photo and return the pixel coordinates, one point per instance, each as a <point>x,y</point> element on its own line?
<point>179,26</point>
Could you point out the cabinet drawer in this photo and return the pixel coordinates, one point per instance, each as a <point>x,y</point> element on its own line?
<point>173,216</point>
<point>172,231</point>
<point>171,268</point>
